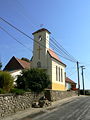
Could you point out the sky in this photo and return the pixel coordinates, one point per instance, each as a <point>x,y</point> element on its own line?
<point>67,20</point>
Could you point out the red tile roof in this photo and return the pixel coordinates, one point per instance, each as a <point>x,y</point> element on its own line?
<point>24,64</point>
<point>68,80</point>
<point>53,55</point>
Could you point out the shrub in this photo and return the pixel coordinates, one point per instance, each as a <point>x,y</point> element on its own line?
<point>17,91</point>
<point>35,79</point>
<point>2,91</point>
<point>6,81</point>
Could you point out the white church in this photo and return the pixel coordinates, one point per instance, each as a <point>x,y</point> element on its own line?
<point>45,58</point>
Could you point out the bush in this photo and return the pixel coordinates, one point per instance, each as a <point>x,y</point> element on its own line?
<point>2,91</point>
<point>35,79</point>
<point>17,91</point>
<point>6,81</point>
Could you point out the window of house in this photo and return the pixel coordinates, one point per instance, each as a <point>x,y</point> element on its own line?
<point>56,74</point>
<point>40,38</point>
<point>61,75</point>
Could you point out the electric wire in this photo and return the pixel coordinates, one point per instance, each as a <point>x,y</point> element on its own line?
<point>55,42</point>
<point>25,15</point>
<point>14,38</point>
<point>61,48</point>
<point>29,36</point>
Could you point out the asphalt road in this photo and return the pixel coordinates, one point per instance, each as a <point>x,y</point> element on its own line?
<point>78,109</point>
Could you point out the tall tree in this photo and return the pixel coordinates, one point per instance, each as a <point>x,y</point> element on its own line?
<point>25,59</point>
<point>0,64</point>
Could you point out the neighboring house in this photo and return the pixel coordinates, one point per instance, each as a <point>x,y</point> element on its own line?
<point>15,66</point>
<point>45,58</point>
<point>15,73</point>
<point>70,84</point>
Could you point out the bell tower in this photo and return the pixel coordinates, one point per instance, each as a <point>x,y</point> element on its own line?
<point>40,47</point>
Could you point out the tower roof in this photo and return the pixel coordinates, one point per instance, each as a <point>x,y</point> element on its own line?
<point>43,29</point>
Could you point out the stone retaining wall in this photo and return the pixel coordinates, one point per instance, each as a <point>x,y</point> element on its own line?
<point>54,95</point>
<point>10,104</point>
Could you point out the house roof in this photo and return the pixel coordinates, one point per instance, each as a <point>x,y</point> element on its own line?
<point>24,64</point>
<point>68,80</point>
<point>53,55</point>
<point>43,29</point>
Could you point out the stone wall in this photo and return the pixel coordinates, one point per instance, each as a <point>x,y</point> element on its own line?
<point>10,104</point>
<point>54,95</point>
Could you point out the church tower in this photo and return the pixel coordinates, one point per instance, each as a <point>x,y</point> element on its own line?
<point>40,48</point>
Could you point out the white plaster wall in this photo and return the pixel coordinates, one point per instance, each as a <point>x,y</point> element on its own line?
<point>44,45</point>
<point>15,74</point>
<point>49,68</point>
<point>68,86</point>
<point>58,64</point>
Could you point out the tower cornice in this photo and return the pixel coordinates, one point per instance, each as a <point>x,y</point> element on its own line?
<point>40,30</point>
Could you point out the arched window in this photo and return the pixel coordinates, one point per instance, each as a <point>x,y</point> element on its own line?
<point>39,64</point>
<point>40,38</point>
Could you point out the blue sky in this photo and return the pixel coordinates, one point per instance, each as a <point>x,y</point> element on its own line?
<point>67,20</point>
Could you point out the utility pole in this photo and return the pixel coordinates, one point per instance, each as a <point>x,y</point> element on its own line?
<point>83,67</point>
<point>78,78</point>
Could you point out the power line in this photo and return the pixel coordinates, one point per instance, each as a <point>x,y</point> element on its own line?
<point>59,51</point>
<point>25,15</point>
<point>14,38</point>
<point>71,74</point>
<point>29,36</point>
<point>63,49</point>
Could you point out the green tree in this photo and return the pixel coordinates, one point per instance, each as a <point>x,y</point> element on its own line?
<point>6,81</point>
<point>34,79</point>
<point>0,65</point>
<point>25,59</point>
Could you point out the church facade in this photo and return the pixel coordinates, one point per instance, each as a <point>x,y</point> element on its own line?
<point>45,58</point>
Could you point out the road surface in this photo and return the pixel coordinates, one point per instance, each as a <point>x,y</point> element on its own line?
<point>78,109</point>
